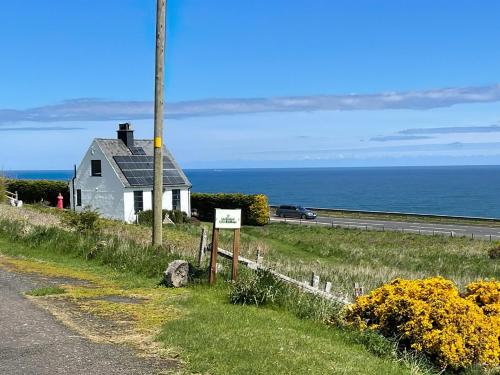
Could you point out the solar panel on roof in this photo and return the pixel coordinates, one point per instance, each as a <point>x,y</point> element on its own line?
<point>138,170</point>
<point>137,150</point>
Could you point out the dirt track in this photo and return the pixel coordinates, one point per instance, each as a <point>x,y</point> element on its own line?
<point>33,342</point>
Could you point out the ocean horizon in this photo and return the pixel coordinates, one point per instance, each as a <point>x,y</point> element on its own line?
<point>440,190</point>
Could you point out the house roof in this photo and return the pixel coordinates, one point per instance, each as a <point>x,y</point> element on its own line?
<point>135,169</point>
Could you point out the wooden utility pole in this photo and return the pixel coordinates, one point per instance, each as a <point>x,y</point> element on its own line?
<point>161,6</point>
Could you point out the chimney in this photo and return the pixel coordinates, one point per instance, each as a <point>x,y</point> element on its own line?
<point>126,134</point>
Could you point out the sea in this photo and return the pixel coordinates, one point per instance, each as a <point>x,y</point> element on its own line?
<point>457,191</point>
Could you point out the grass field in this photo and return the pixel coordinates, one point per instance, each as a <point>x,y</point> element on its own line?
<point>197,324</point>
<point>370,258</point>
<point>200,321</point>
<point>342,256</point>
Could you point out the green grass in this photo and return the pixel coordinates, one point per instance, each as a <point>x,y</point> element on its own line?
<point>210,334</point>
<point>46,291</point>
<point>219,338</point>
<point>370,258</point>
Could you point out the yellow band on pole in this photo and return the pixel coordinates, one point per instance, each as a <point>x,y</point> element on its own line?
<point>157,142</point>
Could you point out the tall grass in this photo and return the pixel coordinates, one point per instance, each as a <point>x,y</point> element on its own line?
<point>3,189</point>
<point>118,253</point>
<point>370,258</point>
<point>263,288</point>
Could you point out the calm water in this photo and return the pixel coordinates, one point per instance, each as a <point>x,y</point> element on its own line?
<point>468,191</point>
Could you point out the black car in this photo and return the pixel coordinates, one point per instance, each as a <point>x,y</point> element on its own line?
<point>295,211</point>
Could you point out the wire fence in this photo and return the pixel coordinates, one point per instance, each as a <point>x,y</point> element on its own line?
<point>393,227</point>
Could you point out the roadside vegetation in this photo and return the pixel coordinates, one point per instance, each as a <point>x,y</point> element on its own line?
<point>257,325</point>
<point>369,258</point>
<point>197,326</point>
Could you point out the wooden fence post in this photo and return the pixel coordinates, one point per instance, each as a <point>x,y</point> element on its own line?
<point>358,290</point>
<point>328,287</point>
<point>203,246</point>
<point>259,256</point>
<point>314,280</point>
<point>213,255</point>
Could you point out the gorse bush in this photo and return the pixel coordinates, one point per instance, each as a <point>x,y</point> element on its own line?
<point>431,317</point>
<point>254,208</point>
<point>34,191</point>
<point>178,217</point>
<point>485,294</point>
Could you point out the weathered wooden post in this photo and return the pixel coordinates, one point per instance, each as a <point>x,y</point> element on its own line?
<point>328,287</point>
<point>213,255</point>
<point>259,256</point>
<point>314,280</point>
<point>203,246</point>
<point>358,290</point>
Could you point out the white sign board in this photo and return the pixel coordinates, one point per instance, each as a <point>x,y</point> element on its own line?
<point>227,219</point>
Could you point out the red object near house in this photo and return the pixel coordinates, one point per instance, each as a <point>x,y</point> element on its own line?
<point>60,201</point>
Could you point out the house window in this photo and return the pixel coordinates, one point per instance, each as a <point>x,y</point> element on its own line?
<point>95,168</point>
<point>138,201</point>
<point>176,199</point>
<point>78,197</point>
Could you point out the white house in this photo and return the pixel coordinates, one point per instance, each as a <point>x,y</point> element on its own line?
<point>116,178</point>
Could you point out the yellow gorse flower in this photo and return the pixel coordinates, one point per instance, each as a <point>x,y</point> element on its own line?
<point>432,317</point>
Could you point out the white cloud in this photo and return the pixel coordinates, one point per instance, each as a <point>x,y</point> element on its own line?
<point>103,110</point>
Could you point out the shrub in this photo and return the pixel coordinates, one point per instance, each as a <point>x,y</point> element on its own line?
<point>87,220</point>
<point>494,252</point>
<point>178,217</point>
<point>431,317</point>
<point>34,191</point>
<point>254,208</point>
<point>485,294</point>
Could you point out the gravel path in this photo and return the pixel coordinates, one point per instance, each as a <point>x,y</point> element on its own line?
<point>33,342</point>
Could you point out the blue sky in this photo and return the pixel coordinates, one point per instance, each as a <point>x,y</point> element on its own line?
<point>255,83</point>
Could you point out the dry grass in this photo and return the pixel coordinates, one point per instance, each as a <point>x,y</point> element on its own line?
<point>370,258</point>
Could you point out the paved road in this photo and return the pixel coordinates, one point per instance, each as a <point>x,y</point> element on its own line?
<point>483,232</point>
<point>33,342</point>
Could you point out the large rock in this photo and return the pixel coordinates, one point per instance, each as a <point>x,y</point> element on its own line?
<point>176,274</point>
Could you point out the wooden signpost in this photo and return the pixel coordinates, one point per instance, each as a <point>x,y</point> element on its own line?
<point>225,219</point>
